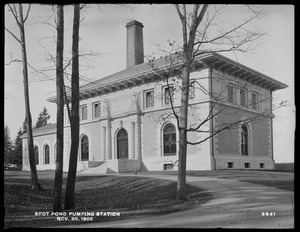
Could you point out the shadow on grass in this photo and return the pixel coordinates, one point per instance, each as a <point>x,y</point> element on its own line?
<point>131,196</point>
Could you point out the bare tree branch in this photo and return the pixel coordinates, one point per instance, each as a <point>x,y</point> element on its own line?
<point>13,35</point>
<point>15,14</point>
<point>27,13</point>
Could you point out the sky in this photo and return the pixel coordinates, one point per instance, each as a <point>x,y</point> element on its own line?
<point>103,37</point>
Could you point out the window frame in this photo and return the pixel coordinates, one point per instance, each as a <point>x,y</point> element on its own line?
<point>94,109</point>
<point>244,140</point>
<point>233,93</point>
<point>88,148</point>
<point>165,98</point>
<point>245,103</point>
<point>174,142</point>
<point>192,90</point>
<point>230,165</point>
<point>256,103</point>
<point>48,157</point>
<point>81,113</point>
<point>145,98</point>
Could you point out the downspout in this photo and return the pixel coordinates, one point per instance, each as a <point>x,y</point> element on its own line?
<point>211,120</point>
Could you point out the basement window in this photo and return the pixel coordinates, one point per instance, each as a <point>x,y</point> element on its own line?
<point>168,166</point>
<point>229,164</point>
<point>247,165</point>
<point>262,165</point>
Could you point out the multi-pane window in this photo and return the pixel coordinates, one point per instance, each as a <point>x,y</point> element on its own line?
<point>254,102</point>
<point>169,135</point>
<point>149,98</point>
<point>243,97</point>
<point>230,90</point>
<point>97,110</point>
<point>192,91</point>
<point>84,113</point>
<point>168,95</point>
<point>84,148</point>
<point>47,154</point>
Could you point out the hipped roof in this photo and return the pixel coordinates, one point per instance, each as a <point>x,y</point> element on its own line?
<point>150,71</point>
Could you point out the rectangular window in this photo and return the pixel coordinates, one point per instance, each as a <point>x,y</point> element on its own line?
<point>243,97</point>
<point>247,165</point>
<point>254,101</point>
<point>262,165</point>
<point>97,109</point>
<point>231,94</point>
<point>168,95</point>
<point>83,113</point>
<point>149,98</point>
<point>168,166</point>
<point>229,164</point>
<point>192,90</point>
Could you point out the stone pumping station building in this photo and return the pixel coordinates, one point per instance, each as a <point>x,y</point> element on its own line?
<point>126,122</point>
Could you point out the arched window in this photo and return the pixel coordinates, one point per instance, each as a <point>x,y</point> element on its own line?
<point>244,136</point>
<point>169,140</point>
<point>84,148</point>
<point>47,154</point>
<point>36,152</point>
<point>122,144</point>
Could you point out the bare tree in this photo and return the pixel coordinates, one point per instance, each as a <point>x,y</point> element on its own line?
<point>196,21</point>
<point>20,21</point>
<point>60,110</point>
<point>71,179</point>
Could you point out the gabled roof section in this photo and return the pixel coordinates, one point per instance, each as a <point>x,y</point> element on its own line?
<point>47,129</point>
<point>150,71</point>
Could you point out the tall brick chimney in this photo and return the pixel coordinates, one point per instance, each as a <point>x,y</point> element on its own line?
<point>135,45</point>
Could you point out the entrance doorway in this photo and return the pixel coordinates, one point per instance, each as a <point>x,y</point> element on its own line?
<point>122,144</point>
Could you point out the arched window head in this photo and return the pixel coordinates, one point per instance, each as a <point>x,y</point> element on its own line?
<point>47,154</point>
<point>36,152</point>
<point>169,140</point>
<point>244,142</point>
<point>84,148</point>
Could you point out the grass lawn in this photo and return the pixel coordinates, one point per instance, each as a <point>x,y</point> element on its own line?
<point>131,196</point>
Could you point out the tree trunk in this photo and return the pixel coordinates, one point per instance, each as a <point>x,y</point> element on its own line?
<point>188,35</point>
<point>70,187</point>
<point>60,110</point>
<point>34,177</point>
<point>181,179</point>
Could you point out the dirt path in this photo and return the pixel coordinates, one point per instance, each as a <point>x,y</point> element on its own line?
<point>235,205</point>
